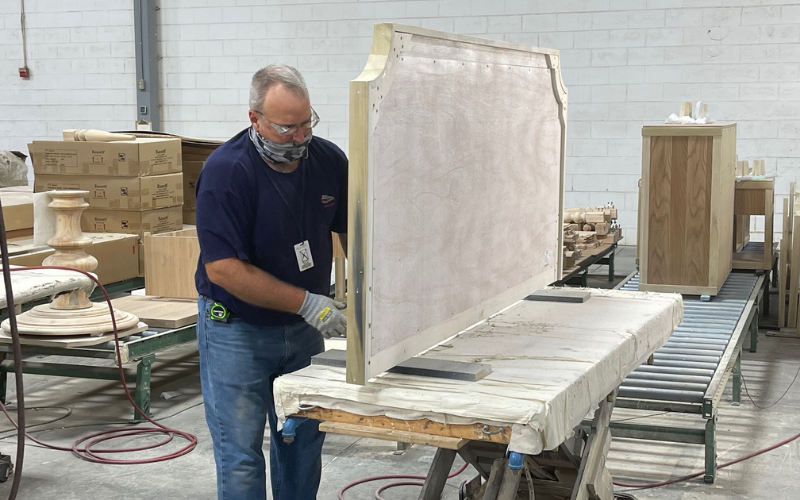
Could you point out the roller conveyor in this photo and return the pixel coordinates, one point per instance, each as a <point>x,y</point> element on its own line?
<point>689,373</point>
<point>699,342</point>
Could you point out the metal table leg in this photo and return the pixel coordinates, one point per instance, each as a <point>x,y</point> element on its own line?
<point>711,450</point>
<point>737,380</point>
<point>3,381</point>
<point>611,264</point>
<point>754,333</point>
<point>142,394</point>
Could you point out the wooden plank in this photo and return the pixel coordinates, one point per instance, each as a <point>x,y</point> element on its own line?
<point>794,278</point>
<point>783,267</point>
<point>170,263</point>
<point>750,201</point>
<point>769,228</point>
<point>473,432</point>
<point>698,213</point>
<point>722,190</point>
<point>658,211</point>
<point>437,475</point>
<point>340,269</point>
<point>683,130</point>
<point>71,340</point>
<point>446,442</point>
<point>427,214</point>
<point>159,312</point>
<point>593,460</point>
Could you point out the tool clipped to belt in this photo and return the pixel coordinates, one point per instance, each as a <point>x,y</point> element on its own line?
<point>218,312</point>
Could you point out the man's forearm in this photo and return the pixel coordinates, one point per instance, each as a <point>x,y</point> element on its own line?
<point>254,286</point>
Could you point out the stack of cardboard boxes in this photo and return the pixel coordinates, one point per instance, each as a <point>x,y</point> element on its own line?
<point>134,186</point>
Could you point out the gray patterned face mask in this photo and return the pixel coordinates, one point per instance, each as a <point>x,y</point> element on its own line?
<point>277,152</point>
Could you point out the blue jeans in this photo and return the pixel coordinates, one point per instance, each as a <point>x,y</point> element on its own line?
<point>238,363</point>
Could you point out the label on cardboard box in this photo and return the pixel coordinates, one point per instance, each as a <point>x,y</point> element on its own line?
<point>157,221</point>
<point>119,193</point>
<point>142,157</point>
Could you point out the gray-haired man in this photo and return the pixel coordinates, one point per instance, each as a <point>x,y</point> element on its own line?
<point>267,201</point>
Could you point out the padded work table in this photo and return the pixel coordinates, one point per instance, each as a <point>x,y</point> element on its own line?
<point>551,363</point>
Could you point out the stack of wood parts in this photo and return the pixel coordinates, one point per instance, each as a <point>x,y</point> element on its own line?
<point>587,231</point>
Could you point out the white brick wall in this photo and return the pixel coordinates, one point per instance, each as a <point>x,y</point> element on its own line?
<point>626,62</point>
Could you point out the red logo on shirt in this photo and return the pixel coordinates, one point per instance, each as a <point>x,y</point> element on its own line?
<point>328,201</point>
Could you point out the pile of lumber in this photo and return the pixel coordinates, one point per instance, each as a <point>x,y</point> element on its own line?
<point>587,229</point>
<point>571,253</point>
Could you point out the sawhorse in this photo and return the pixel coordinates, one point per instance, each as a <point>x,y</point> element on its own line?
<point>575,469</point>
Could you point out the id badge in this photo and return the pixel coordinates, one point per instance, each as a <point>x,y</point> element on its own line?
<point>303,253</point>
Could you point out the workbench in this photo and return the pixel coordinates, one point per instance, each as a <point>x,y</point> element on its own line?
<point>580,271</point>
<point>137,351</point>
<point>552,364</point>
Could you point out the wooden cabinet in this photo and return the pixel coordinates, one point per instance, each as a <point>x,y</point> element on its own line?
<point>686,215</point>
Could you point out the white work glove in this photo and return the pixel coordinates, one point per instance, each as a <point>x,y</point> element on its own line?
<point>324,314</point>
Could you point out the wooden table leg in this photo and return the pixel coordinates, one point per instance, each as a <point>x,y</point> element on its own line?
<point>594,481</point>
<point>437,475</point>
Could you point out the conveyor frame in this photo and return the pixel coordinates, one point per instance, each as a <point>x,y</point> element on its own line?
<point>692,363</point>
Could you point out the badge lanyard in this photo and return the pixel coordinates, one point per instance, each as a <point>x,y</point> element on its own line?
<point>302,250</point>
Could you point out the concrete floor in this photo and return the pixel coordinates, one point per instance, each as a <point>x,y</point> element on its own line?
<point>98,405</point>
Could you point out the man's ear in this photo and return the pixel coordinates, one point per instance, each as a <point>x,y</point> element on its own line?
<point>253,117</point>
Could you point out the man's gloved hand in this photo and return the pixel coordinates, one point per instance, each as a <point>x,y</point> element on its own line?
<point>324,314</point>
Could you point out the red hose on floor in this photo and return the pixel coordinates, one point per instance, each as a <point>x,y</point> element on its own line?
<point>87,451</point>
<point>393,485</point>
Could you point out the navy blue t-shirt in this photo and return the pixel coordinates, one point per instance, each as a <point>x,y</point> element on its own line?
<point>247,210</point>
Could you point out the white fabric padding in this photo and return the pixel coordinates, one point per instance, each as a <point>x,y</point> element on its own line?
<point>552,363</point>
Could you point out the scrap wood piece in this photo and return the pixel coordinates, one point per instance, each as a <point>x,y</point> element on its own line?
<point>159,312</point>
<point>472,432</point>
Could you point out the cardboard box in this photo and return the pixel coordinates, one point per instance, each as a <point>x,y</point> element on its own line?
<point>189,217</point>
<point>170,264</point>
<point>17,211</point>
<point>119,193</point>
<point>117,256</point>
<point>191,172</point>
<point>162,220</point>
<point>137,158</point>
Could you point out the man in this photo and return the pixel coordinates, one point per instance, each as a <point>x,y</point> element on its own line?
<point>267,201</point>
